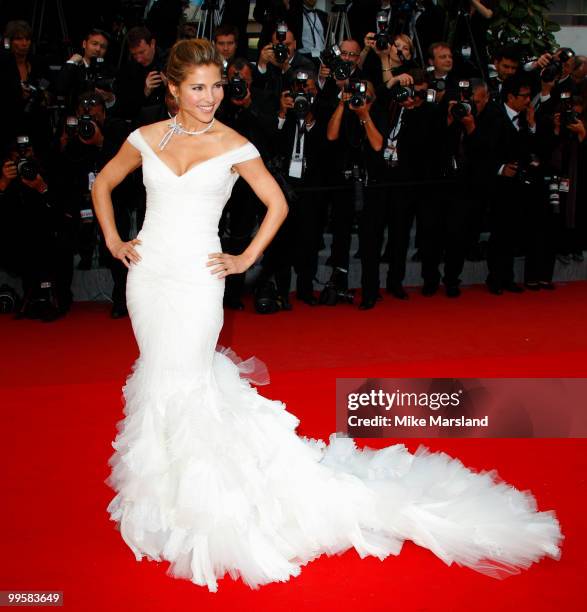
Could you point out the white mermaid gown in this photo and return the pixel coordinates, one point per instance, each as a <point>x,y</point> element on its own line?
<point>212,477</point>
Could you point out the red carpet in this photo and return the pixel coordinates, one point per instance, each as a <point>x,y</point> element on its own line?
<point>61,399</point>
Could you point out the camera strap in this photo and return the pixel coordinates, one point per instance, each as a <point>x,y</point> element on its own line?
<point>296,165</point>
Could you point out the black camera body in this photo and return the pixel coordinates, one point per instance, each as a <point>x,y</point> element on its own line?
<point>464,106</point>
<point>26,167</point>
<point>400,93</point>
<point>439,85</point>
<point>568,114</point>
<point>238,88</point>
<point>280,48</point>
<point>358,91</point>
<point>529,170</point>
<point>85,127</point>
<point>555,68</point>
<point>303,100</point>
<point>96,75</point>
<point>339,68</point>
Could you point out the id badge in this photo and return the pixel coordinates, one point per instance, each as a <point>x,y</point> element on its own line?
<point>564,185</point>
<point>296,168</point>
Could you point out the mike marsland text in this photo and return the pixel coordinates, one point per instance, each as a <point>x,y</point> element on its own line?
<point>412,421</point>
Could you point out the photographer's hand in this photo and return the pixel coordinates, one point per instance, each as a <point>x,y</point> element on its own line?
<point>369,42</point>
<point>578,128</point>
<point>510,169</point>
<point>152,81</point>
<point>267,56</point>
<point>468,122</point>
<point>125,251</point>
<point>9,173</point>
<point>38,184</point>
<point>285,103</point>
<point>76,58</point>
<point>542,61</point>
<point>403,79</point>
<point>107,95</point>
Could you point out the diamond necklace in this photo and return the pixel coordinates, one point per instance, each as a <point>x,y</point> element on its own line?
<point>177,128</point>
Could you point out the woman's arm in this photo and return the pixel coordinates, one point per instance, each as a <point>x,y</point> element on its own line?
<point>268,191</point>
<point>113,173</point>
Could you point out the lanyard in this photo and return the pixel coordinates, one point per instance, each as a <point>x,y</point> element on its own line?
<point>313,24</point>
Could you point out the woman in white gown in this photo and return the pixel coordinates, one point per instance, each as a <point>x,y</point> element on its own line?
<point>211,476</point>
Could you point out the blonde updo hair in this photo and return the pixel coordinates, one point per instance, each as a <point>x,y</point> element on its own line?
<point>185,55</point>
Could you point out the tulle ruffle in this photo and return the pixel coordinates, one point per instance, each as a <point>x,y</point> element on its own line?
<point>211,477</point>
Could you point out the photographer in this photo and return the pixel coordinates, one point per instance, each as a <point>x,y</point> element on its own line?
<point>462,209</point>
<point>85,151</point>
<point>25,82</point>
<point>141,82</point>
<point>226,41</point>
<point>506,61</point>
<point>297,167</point>
<point>357,139</point>
<point>518,182</point>
<point>394,58</point>
<point>87,72</point>
<point>565,210</point>
<point>414,153</point>
<point>40,235</point>
<point>442,76</point>
<point>336,64</point>
<point>250,112</point>
<point>278,61</point>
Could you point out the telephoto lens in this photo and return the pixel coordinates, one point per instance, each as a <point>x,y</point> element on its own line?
<point>237,88</point>
<point>85,127</point>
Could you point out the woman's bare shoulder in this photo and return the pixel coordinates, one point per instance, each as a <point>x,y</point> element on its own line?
<point>154,131</point>
<point>230,138</point>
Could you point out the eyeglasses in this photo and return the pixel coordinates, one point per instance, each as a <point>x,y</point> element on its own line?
<point>349,54</point>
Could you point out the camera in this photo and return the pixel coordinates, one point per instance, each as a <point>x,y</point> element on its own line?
<point>554,199</point>
<point>95,75</point>
<point>464,106</point>
<point>85,127</point>
<point>339,68</point>
<point>555,68</point>
<point>302,100</point>
<point>26,166</point>
<point>237,87</point>
<point>567,113</point>
<point>439,85</point>
<point>528,170</point>
<point>382,36</point>
<point>35,94</point>
<point>280,49</point>
<point>399,93</point>
<point>358,91</point>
